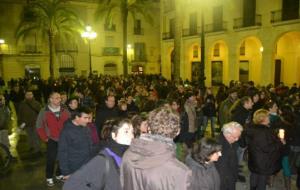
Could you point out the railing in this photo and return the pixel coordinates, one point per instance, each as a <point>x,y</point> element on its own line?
<point>240,22</point>
<point>216,27</point>
<point>31,49</point>
<point>276,16</point>
<point>191,31</point>
<point>63,47</point>
<point>111,51</point>
<point>138,31</point>
<point>168,35</point>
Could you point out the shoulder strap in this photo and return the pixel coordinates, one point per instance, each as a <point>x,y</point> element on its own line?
<point>106,170</point>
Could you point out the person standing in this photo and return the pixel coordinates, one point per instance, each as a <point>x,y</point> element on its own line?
<point>264,150</point>
<point>28,112</point>
<point>224,107</point>
<point>5,115</point>
<point>150,162</point>
<point>201,162</point>
<point>75,142</point>
<point>227,165</point>
<point>49,125</point>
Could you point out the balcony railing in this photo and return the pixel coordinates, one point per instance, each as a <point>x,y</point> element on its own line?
<point>168,35</point>
<point>216,27</point>
<point>111,51</point>
<point>63,47</point>
<point>138,31</point>
<point>30,49</point>
<point>240,23</point>
<point>191,31</point>
<point>276,16</point>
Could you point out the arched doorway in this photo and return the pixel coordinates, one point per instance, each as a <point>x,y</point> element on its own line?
<point>287,59</point>
<point>66,65</point>
<point>250,58</point>
<point>219,63</point>
<point>32,71</point>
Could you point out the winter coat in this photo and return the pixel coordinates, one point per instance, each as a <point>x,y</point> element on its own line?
<point>100,173</point>
<point>74,147</point>
<point>240,115</point>
<point>48,125</point>
<point>227,165</point>
<point>4,117</point>
<point>224,111</point>
<point>103,114</point>
<point>264,150</point>
<point>28,112</point>
<point>204,176</point>
<point>150,164</point>
<point>209,108</point>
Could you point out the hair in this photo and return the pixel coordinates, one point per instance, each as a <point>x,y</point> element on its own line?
<point>71,99</point>
<point>52,93</point>
<point>112,126</point>
<point>80,111</point>
<point>260,115</point>
<point>244,100</point>
<point>136,123</point>
<point>201,152</point>
<point>269,105</point>
<point>164,121</point>
<point>230,127</point>
<point>107,96</point>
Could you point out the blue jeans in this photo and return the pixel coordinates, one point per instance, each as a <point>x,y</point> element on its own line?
<point>212,124</point>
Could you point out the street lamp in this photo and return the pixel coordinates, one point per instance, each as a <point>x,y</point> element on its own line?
<point>202,63</point>
<point>89,34</point>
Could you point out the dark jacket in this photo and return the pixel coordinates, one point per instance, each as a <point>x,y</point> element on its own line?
<point>227,165</point>
<point>28,112</point>
<point>100,173</point>
<point>4,117</point>
<point>204,176</point>
<point>150,164</point>
<point>75,147</point>
<point>264,150</point>
<point>240,115</point>
<point>104,113</point>
<point>209,108</point>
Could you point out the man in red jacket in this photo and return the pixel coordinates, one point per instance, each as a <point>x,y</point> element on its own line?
<point>49,125</point>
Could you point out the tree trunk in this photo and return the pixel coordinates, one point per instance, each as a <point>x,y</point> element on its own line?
<point>124,20</point>
<point>51,54</point>
<point>177,38</point>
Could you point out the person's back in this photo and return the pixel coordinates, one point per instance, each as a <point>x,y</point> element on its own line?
<point>150,161</point>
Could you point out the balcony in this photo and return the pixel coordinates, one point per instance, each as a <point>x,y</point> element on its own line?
<point>30,49</point>
<point>63,47</point>
<point>111,51</point>
<point>168,36</point>
<point>216,27</point>
<point>138,31</point>
<point>277,16</point>
<point>240,22</point>
<point>191,31</point>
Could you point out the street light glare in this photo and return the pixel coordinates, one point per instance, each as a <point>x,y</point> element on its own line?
<point>88,28</point>
<point>2,41</point>
<point>89,33</point>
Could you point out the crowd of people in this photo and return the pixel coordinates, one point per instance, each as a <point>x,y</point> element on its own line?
<point>116,132</point>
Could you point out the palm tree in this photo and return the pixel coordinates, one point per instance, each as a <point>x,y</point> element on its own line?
<point>107,8</point>
<point>52,20</point>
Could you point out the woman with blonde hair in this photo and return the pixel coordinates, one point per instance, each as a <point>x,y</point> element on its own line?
<point>264,149</point>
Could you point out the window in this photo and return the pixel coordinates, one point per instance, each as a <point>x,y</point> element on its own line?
<point>193,23</point>
<point>217,18</point>
<point>243,49</point>
<point>139,52</point>
<point>195,52</point>
<point>66,64</point>
<point>138,28</point>
<point>217,50</point>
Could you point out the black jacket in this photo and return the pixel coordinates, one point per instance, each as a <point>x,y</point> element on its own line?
<point>74,147</point>
<point>104,113</point>
<point>241,115</point>
<point>100,173</point>
<point>204,176</point>
<point>227,165</point>
<point>264,150</point>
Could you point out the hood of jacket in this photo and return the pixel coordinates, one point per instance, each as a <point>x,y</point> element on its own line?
<point>150,151</point>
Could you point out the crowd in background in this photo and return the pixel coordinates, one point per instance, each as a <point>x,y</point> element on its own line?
<point>51,109</point>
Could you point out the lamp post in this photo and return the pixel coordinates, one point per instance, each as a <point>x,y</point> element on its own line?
<point>89,34</point>
<point>202,63</point>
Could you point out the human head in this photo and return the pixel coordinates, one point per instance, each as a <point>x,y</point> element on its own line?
<point>261,116</point>
<point>110,101</point>
<point>232,131</point>
<point>122,104</point>
<point>164,121</point>
<point>64,97</point>
<point>253,93</point>
<point>246,102</point>
<point>28,95</point>
<point>233,94</point>
<point>54,99</point>
<point>272,107</point>
<point>2,100</point>
<point>73,103</point>
<point>140,125</point>
<point>81,116</point>
<point>207,151</point>
<point>120,130</point>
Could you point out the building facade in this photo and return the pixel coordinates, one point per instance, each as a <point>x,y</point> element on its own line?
<point>30,57</point>
<point>244,40</point>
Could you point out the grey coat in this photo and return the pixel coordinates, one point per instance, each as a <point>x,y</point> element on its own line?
<point>204,176</point>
